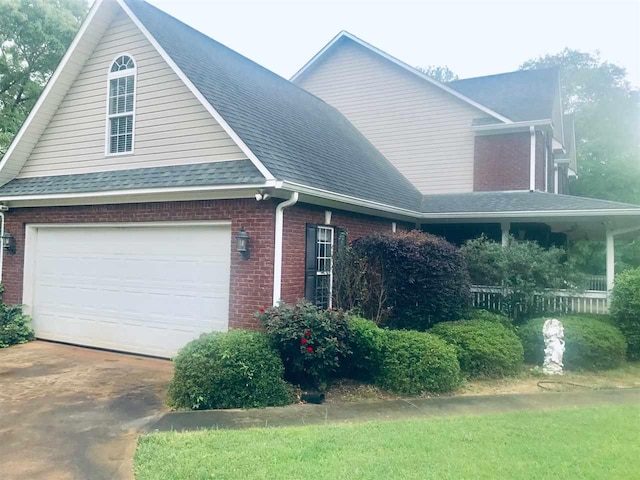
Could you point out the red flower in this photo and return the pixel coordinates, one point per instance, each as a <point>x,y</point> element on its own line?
<point>303,341</point>
<point>262,310</point>
<point>309,350</point>
<point>307,333</point>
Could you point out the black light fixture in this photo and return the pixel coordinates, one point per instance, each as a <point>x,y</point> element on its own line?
<point>8,242</point>
<point>243,244</point>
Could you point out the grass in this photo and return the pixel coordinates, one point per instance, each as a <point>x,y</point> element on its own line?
<point>589,443</point>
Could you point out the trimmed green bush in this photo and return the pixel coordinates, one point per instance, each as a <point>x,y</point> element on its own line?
<point>590,344</point>
<point>479,314</point>
<point>15,327</point>
<point>416,362</point>
<point>484,348</point>
<point>625,309</point>
<point>235,369</point>
<point>312,341</point>
<point>367,341</point>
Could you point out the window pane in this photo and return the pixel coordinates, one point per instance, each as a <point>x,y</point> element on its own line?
<point>129,124</point>
<point>113,148</point>
<point>128,107</point>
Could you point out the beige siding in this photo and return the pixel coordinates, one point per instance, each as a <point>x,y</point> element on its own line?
<point>424,131</point>
<point>171,126</point>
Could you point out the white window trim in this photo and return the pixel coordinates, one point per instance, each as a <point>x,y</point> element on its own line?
<point>110,76</point>
<point>331,257</point>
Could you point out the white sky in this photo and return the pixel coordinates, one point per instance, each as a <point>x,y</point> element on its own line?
<point>472,37</point>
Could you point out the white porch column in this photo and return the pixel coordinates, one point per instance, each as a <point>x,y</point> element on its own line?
<point>506,228</point>
<point>532,159</point>
<point>611,260</point>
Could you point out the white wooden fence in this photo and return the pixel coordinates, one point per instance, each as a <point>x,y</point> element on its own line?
<point>558,301</point>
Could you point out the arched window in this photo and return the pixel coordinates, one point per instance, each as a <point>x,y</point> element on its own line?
<point>121,106</point>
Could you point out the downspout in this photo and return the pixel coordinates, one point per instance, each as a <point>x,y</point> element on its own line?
<point>532,159</point>
<point>277,254</point>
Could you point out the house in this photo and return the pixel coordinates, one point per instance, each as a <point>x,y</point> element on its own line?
<point>164,185</point>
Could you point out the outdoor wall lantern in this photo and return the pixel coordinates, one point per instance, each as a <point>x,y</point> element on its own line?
<point>8,243</point>
<point>243,244</point>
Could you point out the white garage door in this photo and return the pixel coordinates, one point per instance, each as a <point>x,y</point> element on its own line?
<point>147,288</point>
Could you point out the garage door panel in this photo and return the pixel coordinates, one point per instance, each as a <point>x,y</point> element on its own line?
<point>141,289</point>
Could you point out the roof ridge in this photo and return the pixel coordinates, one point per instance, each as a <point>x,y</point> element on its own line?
<point>512,72</point>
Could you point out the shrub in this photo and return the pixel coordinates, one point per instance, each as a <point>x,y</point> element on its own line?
<point>15,327</point>
<point>312,342</point>
<point>235,369</point>
<point>589,343</point>
<point>525,271</point>
<point>416,362</point>
<point>625,309</point>
<point>425,279</point>
<point>366,349</point>
<point>479,314</point>
<point>484,348</point>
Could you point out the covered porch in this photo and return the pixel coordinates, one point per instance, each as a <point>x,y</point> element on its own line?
<point>548,219</point>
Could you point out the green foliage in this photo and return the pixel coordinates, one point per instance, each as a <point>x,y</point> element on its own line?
<point>484,348</point>
<point>235,369</point>
<point>607,124</point>
<point>366,349</point>
<point>479,314</point>
<point>425,278</point>
<point>15,327</point>
<point>590,344</point>
<point>441,74</point>
<point>34,36</point>
<point>312,342</point>
<point>416,362</point>
<point>625,308</point>
<point>524,270</point>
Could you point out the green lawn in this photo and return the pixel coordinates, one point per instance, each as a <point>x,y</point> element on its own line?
<point>588,443</point>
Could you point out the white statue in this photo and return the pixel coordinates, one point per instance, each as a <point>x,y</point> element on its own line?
<point>553,333</point>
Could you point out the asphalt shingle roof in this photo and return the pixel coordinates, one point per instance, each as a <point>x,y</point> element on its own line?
<point>204,174</point>
<point>494,202</point>
<point>520,96</point>
<point>297,136</point>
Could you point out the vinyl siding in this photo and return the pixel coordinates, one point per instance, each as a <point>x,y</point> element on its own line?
<point>424,131</point>
<point>171,125</point>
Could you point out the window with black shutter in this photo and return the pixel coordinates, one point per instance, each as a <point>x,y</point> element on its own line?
<point>321,242</point>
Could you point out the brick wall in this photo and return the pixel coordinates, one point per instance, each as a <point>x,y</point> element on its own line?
<point>295,220</point>
<point>251,280</point>
<point>501,162</point>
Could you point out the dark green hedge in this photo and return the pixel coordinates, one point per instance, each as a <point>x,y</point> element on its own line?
<point>625,309</point>
<point>15,327</point>
<point>235,369</point>
<point>367,341</point>
<point>590,344</point>
<point>425,278</point>
<point>484,348</point>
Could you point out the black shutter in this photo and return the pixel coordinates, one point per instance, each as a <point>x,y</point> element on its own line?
<point>310,273</point>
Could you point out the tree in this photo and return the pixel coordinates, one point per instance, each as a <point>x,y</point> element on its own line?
<point>441,74</point>
<point>607,113</point>
<point>34,34</point>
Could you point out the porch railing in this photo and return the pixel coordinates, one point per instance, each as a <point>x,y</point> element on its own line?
<point>597,283</point>
<point>557,301</point>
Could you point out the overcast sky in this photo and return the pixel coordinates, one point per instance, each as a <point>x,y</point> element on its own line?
<point>473,38</point>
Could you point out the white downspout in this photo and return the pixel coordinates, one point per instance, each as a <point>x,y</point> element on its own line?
<point>611,260</point>
<point>532,159</point>
<point>277,254</point>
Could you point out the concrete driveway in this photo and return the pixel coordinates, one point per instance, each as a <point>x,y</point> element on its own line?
<point>74,413</point>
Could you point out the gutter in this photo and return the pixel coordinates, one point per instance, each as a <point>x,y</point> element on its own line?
<point>277,253</point>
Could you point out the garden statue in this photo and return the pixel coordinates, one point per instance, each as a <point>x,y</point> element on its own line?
<point>553,333</point>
